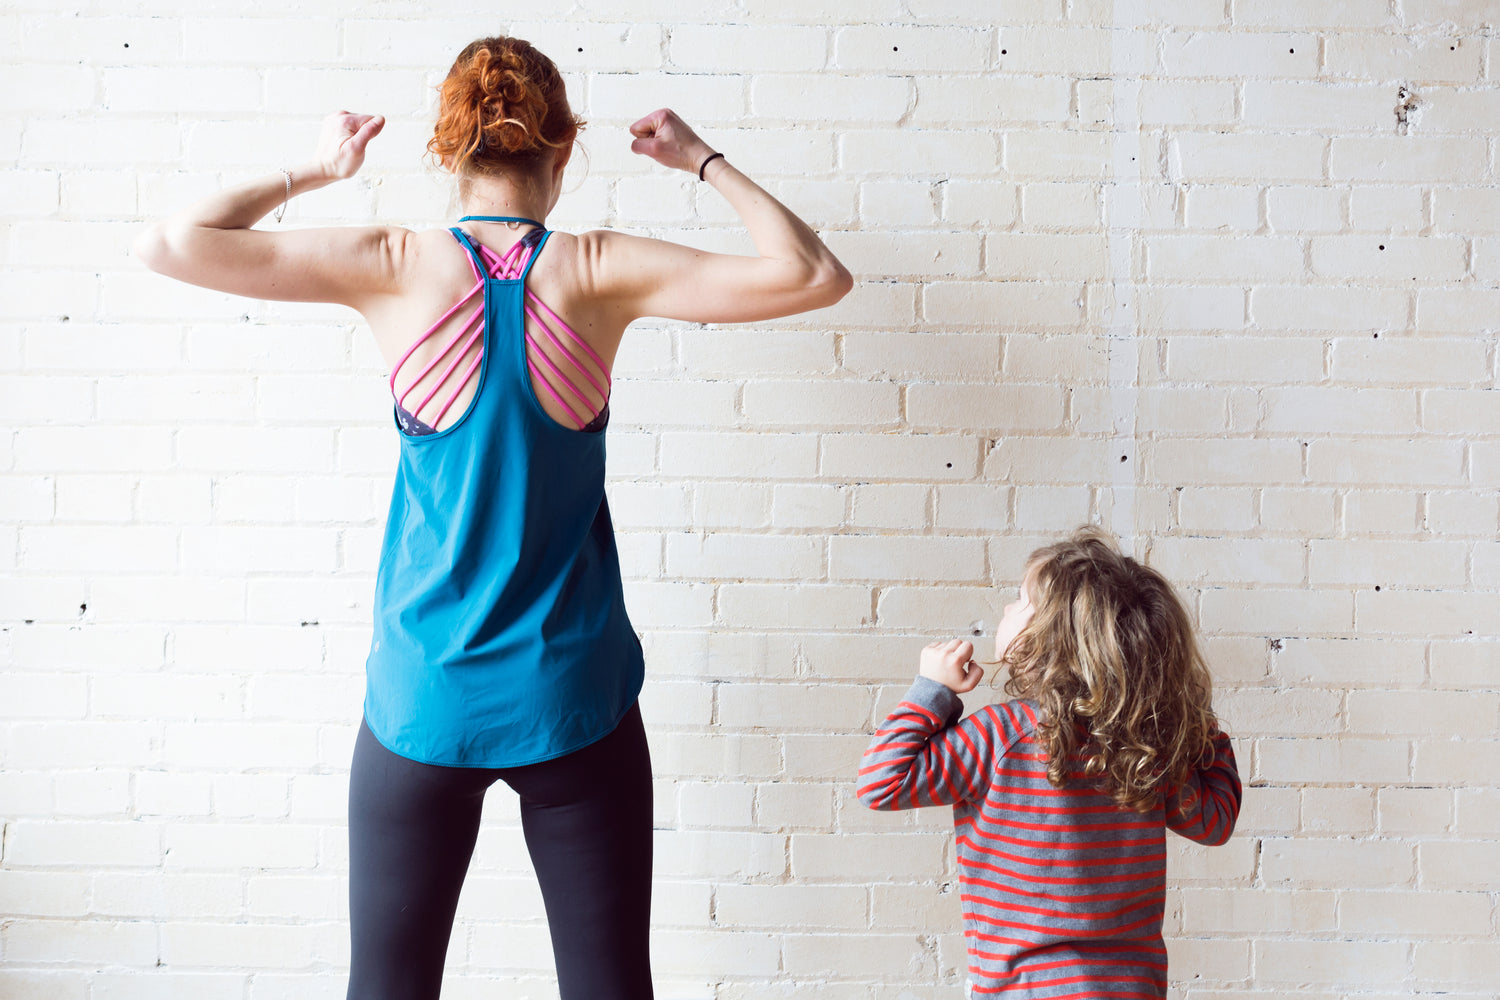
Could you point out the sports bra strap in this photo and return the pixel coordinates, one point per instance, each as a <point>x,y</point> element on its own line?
<point>463,238</point>
<point>531,257</point>
<point>502,218</point>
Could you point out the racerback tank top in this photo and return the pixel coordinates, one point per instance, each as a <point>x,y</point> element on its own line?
<point>501,636</point>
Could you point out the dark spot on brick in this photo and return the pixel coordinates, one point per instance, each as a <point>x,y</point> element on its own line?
<point>1291,50</point>
<point>83,608</point>
<point>1124,458</point>
<point>949,464</point>
<point>127,45</point>
<point>312,621</point>
<point>1377,588</point>
<point>1374,336</point>
<point>895,48</point>
<point>64,319</point>
<point>1002,52</point>
<point>28,621</point>
<point>1276,645</point>
<point>1382,246</point>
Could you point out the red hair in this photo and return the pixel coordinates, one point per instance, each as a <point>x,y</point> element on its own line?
<point>502,105</point>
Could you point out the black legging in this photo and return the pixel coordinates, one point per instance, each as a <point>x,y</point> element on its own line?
<point>587,821</point>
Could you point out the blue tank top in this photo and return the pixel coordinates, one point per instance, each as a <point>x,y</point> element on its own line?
<point>501,636</point>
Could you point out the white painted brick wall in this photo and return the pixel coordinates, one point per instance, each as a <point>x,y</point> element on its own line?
<point>1170,266</point>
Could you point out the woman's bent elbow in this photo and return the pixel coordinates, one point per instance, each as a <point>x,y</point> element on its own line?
<point>150,247</point>
<point>832,282</point>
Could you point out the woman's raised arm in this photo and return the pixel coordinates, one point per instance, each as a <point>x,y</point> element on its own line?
<point>212,243</point>
<point>792,272</point>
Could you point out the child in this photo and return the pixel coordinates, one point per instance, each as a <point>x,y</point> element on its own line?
<point>1061,798</point>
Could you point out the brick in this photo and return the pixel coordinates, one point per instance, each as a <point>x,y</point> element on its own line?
<point>745,49</point>
<point>1323,760</point>
<point>944,100</point>
<point>982,407</point>
<point>1253,54</point>
<point>1304,962</point>
<point>912,49</point>
<point>1398,461</point>
<point>924,457</point>
<point>1389,209</point>
<point>945,609</point>
<point>1064,204</point>
<point>898,506</point>
<point>824,404</point>
<point>767,605</point>
<point>1207,911</point>
<point>126,942</point>
<point>1003,305</point>
<point>907,254</point>
<point>972,507</point>
<point>1390,360</point>
<point>1429,258</point>
<point>1397,59</point>
<point>1254,258</point>
<point>884,558</point>
<point>1441,613</point>
<point>744,556</point>
<point>1452,864</point>
<point>1427,563</point>
<point>1354,662</point>
<point>1442,760</point>
<point>90,845</point>
<point>841,97</point>
<point>1054,155</point>
<point>698,97</point>
<point>1241,156</point>
<point>734,455</point>
<point>713,352</point>
<point>1186,102</point>
<point>1415,810</point>
<point>1224,462</point>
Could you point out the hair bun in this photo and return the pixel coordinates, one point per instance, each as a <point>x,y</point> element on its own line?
<point>503,104</point>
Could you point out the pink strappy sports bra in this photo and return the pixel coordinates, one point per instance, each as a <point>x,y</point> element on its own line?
<point>580,390</point>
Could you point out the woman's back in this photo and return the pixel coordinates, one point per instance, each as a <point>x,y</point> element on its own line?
<point>432,341</point>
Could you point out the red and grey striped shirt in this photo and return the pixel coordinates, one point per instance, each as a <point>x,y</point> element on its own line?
<point>1062,889</point>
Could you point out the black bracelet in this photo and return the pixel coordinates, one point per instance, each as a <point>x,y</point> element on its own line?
<point>704,165</point>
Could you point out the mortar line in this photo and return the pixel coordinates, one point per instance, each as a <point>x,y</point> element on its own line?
<point>1123,212</point>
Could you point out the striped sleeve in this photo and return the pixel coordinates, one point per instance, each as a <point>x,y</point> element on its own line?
<point>919,758</point>
<point>1204,807</point>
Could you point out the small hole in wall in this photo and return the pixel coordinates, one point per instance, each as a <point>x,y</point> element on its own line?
<point>1291,50</point>
<point>83,608</point>
<point>950,465</point>
<point>1377,588</point>
<point>127,45</point>
<point>580,48</point>
<point>1374,336</point>
<point>1382,246</point>
<point>895,48</point>
<point>1003,52</point>
<point>1124,458</point>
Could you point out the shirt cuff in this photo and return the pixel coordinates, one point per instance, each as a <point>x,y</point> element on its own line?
<point>937,699</point>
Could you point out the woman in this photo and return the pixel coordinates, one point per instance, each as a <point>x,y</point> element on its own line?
<point>502,650</point>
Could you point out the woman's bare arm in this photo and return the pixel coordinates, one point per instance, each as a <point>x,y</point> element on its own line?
<point>792,272</point>
<point>212,243</point>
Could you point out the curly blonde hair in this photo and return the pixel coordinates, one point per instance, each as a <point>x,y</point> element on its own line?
<point>1110,657</point>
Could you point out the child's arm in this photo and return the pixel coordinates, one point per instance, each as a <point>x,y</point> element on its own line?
<point>918,757</point>
<point>1204,807</point>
